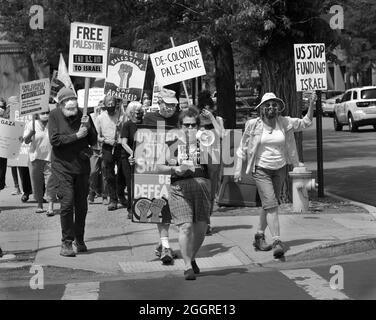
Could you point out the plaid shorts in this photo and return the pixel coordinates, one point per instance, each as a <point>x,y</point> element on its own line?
<point>189,200</point>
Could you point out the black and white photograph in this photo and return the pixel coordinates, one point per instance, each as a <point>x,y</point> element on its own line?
<point>187,156</point>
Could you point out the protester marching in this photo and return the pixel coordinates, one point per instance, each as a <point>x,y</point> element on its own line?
<point>163,167</point>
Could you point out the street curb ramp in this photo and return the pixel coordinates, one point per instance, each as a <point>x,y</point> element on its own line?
<point>334,249</point>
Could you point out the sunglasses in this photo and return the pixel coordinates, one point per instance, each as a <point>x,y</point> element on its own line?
<point>274,105</point>
<point>45,112</point>
<point>188,125</point>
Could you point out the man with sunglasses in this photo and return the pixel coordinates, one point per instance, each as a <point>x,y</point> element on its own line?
<point>71,135</point>
<point>268,144</point>
<point>167,116</point>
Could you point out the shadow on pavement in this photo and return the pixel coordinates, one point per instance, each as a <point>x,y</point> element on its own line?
<point>223,272</point>
<point>217,229</point>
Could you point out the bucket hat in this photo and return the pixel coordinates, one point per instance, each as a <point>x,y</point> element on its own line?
<point>269,96</point>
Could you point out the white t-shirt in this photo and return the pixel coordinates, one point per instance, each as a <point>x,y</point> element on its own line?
<point>271,152</point>
<point>40,147</point>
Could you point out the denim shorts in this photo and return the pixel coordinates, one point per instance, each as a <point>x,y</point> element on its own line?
<point>269,184</point>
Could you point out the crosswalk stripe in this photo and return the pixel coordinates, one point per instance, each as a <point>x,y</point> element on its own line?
<point>81,291</point>
<point>314,285</point>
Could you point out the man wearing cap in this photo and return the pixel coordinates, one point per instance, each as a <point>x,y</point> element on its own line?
<point>71,135</point>
<point>108,134</point>
<point>268,144</point>
<point>166,116</point>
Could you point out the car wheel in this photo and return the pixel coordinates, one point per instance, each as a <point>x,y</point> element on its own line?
<point>337,125</point>
<point>352,125</point>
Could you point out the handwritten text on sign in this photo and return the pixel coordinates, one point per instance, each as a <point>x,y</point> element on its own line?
<point>34,96</point>
<point>88,50</point>
<point>310,67</point>
<point>178,63</point>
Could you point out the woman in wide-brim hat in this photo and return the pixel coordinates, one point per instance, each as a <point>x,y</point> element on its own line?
<point>268,144</point>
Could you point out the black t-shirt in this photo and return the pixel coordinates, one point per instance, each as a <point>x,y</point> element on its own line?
<point>128,131</point>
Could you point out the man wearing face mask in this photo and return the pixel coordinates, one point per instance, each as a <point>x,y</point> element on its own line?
<point>108,134</point>
<point>268,144</point>
<point>71,135</point>
<point>167,116</point>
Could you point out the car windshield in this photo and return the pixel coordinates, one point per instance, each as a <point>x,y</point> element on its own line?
<point>368,94</point>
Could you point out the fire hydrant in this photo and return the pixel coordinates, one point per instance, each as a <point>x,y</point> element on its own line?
<point>302,182</point>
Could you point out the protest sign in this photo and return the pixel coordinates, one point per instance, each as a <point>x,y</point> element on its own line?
<point>310,67</point>
<point>88,50</point>
<point>55,86</point>
<point>178,63</point>
<point>126,74</point>
<point>10,133</point>
<point>34,96</point>
<point>95,95</point>
<point>151,186</point>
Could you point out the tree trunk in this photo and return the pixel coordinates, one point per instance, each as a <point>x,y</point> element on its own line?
<point>278,76</point>
<point>225,83</point>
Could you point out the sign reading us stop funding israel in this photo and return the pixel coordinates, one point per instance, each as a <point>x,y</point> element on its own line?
<point>310,67</point>
<point>88,51</point>
<point>178,63</point>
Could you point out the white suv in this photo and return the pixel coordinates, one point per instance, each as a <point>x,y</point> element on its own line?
<point>356,108</point>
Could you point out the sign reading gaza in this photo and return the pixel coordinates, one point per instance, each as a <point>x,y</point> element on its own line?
<point>310,67</point>
<point>178,63</point>
<point>88,50</point>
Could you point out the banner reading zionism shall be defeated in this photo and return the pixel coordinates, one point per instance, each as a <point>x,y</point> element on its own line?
<point>125,74</point>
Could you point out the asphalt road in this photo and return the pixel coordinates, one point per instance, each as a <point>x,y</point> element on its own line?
<point>349,160</point>
<point>309,281</point>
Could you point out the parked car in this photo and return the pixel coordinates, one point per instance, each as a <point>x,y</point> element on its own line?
<point>327,102</point>
<point>327,105</point>
<point>356,108</point>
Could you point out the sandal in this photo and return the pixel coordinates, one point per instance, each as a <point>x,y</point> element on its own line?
<point>40,210</point>
<point>50,213</point>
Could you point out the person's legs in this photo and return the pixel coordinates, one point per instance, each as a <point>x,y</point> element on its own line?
<point>3,171</point>
<point>49,195</point>
<point>65,192</point>
<point>120,178</point>
<point>37,180</point>
<point>127,171</point>
<point>199,230</point>
<point>15,181</point>
<point>81,189</point>
<point>109,176</point>
<point>25,182</point>
<point>186,243</point>
<point>94,172</point>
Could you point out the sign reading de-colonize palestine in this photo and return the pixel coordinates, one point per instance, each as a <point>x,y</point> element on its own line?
<point>89,44</point>
<point>178,63</point>
<point>126,74</point>
<point>310,66</point>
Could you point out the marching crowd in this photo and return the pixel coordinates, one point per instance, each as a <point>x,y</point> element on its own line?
<point>74,158</point>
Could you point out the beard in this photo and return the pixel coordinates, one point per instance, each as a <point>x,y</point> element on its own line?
<point>70,113</point>
<point>270,114</point>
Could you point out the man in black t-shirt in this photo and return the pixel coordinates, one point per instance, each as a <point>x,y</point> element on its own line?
<point>167,115</point>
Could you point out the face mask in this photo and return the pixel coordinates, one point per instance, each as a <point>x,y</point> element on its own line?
<point>111,111</point>
<point>43,117</point>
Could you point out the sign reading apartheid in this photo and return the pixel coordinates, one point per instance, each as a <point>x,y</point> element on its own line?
<point>34,96</point>
<point>310,67</point>
<point>178,63</point>
<point>150,186</point>
<point>88,50</point>
<point>10,134</point>
<point>126,74</point>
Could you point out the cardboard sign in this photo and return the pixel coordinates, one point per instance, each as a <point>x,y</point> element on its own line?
<point>150,187</point>
<point>310,67</point>
<point>88,51</point>
<point>10,132</point>
<point>34,96</point>
<point>178,63</point>
<point>95,95</point>
<point>126,74</point>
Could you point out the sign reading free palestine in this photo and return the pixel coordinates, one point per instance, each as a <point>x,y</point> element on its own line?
<point>178,63</point>
<point>88,51</point>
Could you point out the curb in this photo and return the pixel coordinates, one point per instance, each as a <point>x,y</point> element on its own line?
<point>333,249</point>
<point>371,209</point>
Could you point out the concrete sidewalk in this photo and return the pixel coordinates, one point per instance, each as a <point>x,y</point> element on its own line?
<point>116,245</point>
